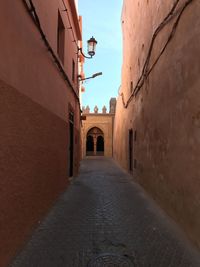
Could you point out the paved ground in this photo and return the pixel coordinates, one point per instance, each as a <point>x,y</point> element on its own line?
<point>105,219</point>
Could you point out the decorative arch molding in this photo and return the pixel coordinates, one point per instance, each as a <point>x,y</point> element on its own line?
<point>95,126</point>
<point>94,140</point>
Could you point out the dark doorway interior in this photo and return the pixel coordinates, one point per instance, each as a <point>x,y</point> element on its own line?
<point>100,145</point>
<point>131,150</point>
<point>71,143</point>
<point>90,145</point>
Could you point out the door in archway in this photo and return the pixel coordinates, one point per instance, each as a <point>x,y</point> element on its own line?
<point>100,145</point>
<point>90,145</point>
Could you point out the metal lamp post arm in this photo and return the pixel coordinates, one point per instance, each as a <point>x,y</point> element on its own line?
<point>86,78</point>
<point>80,49</point>
<point>91,77</point>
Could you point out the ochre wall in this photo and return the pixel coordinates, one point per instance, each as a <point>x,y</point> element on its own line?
<point>34,113</point>
<point>165,113</point>
<point>104,123</point>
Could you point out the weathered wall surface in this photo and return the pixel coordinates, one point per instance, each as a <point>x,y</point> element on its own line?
<point>35,102</point>
<point>105,123</point>
<point>163,110</point>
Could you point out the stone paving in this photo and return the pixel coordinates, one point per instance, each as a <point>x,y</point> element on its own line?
<point>104,219</point>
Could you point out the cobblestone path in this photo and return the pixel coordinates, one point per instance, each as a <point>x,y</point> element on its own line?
<point>104,219</point>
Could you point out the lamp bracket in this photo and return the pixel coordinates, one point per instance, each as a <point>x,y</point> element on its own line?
<point>80,49</point>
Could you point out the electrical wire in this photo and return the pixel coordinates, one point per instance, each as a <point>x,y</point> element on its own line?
<point>32,11</point>
<point>70,24</point>
<point>146,69</point>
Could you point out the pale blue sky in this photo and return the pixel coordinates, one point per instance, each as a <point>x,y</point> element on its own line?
<point>102,19</point>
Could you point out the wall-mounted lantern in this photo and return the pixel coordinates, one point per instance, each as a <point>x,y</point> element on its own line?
<point>91,48</point>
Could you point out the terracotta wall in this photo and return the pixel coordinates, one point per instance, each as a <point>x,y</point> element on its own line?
<point>164,111</point>
<point>34,104</point>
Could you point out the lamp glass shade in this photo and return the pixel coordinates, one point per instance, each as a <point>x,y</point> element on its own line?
<point>92,46</point>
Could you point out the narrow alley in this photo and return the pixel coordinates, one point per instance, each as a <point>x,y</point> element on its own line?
<point>100,133</point>
<point>106,219</point>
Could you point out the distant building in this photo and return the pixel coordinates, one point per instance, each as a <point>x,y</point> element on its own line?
<point>39,112</point>
<point>157,121</point>
<point>97,131</point>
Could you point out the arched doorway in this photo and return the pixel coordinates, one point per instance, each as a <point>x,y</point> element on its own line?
<point>95,142</point>
<point>89,145</point>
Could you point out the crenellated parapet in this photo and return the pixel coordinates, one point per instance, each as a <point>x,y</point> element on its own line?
<point>86,110</point>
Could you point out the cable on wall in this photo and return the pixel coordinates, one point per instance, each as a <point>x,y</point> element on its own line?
<point>32,11</point>
<point>70,24</point>
<point>146,68</point>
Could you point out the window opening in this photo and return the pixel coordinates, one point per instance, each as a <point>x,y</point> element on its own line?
<point>60,38</point>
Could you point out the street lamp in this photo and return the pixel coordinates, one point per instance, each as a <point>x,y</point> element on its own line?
<point>91,77</point>
<point>91,47</point>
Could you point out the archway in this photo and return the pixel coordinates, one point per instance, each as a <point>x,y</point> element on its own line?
<point>95,142</point>
<point>89,145</point>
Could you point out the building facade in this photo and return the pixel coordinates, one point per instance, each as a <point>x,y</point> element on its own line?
<point>39,112</point>
<point>157,121</point>
<point>97,131</point>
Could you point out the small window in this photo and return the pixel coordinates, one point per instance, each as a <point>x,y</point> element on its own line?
<point>73,70</point>
<point>131,87</point>
<point>60,38</point>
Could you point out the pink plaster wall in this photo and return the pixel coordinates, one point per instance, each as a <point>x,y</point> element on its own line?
<point>165,112</point>
<point>33,167</point>
<point>25,61</point>
<point>34,105</point>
